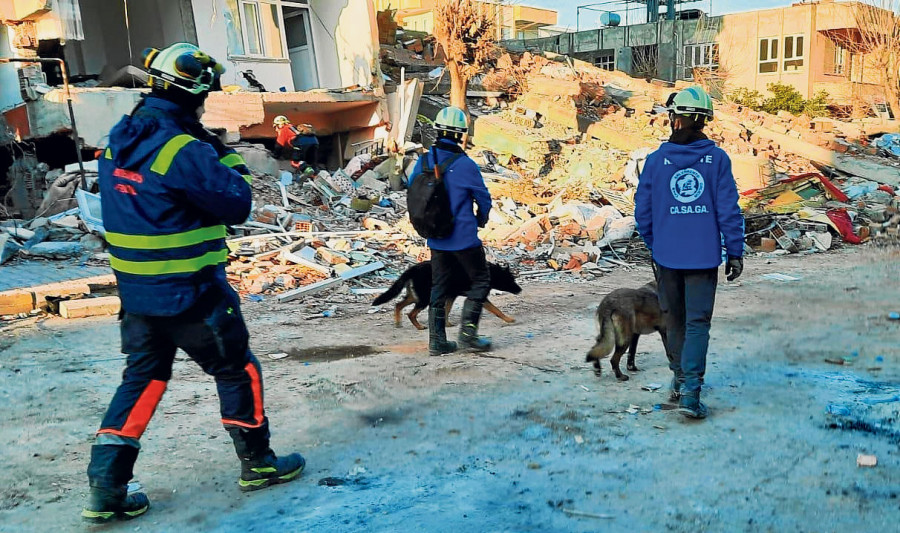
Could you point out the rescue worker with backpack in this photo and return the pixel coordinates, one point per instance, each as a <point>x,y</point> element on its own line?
<point>686,204</point>
<point>444,189</point>
<point>168,190</point>
<point>298,141</point>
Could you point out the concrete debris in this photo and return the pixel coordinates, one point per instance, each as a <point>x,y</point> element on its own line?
<point>561,144</point>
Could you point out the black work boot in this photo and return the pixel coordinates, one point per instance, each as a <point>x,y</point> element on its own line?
<point>260,467</point>
<point>691,406</point>
<point>106,504</point>
<point>109,473</point>
<point>437,331</point>
<point>468,328</point>
<point>260,472</point>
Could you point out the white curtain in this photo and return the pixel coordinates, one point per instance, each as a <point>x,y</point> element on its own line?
<point>69,13</point>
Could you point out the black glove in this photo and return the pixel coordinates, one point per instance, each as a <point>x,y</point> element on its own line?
<point>733,268</point>
<point>482,220</point>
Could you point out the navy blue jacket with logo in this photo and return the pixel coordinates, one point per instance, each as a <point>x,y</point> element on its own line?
<point>166,198</point>
<point>466,189</point>
<point>686,202</point>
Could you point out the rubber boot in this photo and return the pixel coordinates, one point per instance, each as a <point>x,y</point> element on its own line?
<point>109,473</point>
<point>260,467</point>
<point>691,406</point>
<point>437,331</point>
<point>468,328</point>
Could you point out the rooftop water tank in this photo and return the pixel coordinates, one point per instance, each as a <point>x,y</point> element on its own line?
<point>610,19</point>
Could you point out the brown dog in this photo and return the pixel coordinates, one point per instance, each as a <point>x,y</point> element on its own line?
<point>624,315</point>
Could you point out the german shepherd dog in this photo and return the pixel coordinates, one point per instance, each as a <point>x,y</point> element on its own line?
<point>417,282</point>
<point>624,315</point>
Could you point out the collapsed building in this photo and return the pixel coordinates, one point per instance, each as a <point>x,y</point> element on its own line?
<point>315,62</point>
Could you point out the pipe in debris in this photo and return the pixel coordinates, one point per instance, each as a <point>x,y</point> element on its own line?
<point>65,76</point>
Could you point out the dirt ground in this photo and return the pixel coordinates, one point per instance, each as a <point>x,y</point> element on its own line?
<point>524,439</point>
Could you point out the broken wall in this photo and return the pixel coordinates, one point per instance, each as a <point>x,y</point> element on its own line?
<point>345,38</point>
<point>211,19</point>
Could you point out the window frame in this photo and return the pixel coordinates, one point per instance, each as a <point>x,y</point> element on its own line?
<point>776,61</point>
<point>708,54</point>
<point>606,60</point>
<point>793,51</point>
<point>265,54</point>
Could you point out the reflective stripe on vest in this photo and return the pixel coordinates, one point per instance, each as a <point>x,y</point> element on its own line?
<point>173,266</point>
<point>108,154</point>
<point>168,152</point>
<point>170,241</point>
<point>232,160</point>
<point>235,160</point>
<point>164,242</point>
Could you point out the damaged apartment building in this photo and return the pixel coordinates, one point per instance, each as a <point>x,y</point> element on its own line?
<point>315,61</point>
<point>811,45</point>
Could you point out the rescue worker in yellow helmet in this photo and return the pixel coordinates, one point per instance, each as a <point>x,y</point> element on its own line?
<point>168,190</point>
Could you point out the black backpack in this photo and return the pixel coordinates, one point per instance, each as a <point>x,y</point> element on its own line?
<point>428,201</point>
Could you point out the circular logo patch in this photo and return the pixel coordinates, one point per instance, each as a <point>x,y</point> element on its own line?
<point>687,185</point>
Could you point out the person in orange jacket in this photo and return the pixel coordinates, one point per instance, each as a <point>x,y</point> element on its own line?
<point>299,141</point>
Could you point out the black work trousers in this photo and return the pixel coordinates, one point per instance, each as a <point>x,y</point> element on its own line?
<point>446,265</point>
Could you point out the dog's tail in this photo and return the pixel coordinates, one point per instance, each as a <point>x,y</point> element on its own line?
<point>606,340</point>
<point>393,291</point>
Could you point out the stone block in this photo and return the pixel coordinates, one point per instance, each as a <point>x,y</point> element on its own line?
<point>105,305</point>
<point>16,301</point>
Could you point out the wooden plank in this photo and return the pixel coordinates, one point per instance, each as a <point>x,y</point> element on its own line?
<point>309,289</point>
<point>325,284</point>
<point>106,305</point>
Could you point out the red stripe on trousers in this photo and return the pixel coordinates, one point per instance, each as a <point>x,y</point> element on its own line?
<point>256,387</point>
<point>142,412</point>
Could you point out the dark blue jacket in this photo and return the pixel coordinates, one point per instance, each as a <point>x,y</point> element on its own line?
<point>686,202</point>
<point>166,198</point>
<point>465,185</point>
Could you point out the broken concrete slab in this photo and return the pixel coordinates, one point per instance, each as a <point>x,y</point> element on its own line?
<point>54,250</point>
<point>8,247</point>
<point>258,159</point>
<point>864,168</point>
<point>19,233</point>
<point>616,138</point>
<point>504,137</point>
<point>93,243</point>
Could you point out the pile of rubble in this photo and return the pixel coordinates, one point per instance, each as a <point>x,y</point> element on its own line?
<point>561,151</point>
<point>567,151</point>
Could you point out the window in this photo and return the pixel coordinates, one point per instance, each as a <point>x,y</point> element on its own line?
<point>768,55</point>
<point>606,62</point>
<point>253,28</point>
<point>835,59</point>
<point>700,56</point>
<point>793,52</point>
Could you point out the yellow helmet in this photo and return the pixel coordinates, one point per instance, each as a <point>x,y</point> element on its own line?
<point>182,65</point>
<point>280,120</point>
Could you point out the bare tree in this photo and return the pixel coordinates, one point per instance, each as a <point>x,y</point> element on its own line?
<point>465,30</point>
<point>877,43</point>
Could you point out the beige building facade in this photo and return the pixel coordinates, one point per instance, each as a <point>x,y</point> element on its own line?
<point>513,20</point>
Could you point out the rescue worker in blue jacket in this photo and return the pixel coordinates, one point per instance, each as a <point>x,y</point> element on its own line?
<point>462,250</point>
<point>168,190</point>
<point>686,202</point>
